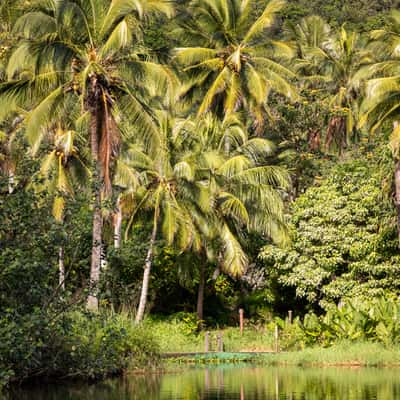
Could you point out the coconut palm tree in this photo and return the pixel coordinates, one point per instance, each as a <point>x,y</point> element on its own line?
<point>335,61</point>
<point>230,61</point>
<point>206,183</point>
<point>237,192</point>
<point>310,32</point>
<point>86,51</point>
<point>164,182</point>
<point>63,169</point>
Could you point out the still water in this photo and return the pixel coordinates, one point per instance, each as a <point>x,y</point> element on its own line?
<point>234,383</point>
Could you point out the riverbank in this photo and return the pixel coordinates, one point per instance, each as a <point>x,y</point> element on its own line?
<point>89,347</point>
<point>340,355</point>
<point>347,354</point>
<point>257,344</point>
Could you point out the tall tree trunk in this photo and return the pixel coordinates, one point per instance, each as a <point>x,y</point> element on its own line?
<point>118,225</point>
<point>61,267</point>
<point>200,293</point>
<point>146,275</point>
<point>97,230</point>
<point>227,146</point>
<point>397,185</point>
<point>397,195</point>
<point>11,182</point>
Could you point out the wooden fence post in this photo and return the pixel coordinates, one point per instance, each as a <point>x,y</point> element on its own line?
<point>290,316</point>
<point>241,320</point>
<point>276,336</point>
<point>207,342</point>
<point>220,343</point>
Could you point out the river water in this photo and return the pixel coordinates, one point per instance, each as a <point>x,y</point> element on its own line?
<point>233,382</point>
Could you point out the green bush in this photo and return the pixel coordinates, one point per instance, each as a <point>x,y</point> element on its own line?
<point>344,240</point>
<point>375,320</point>
<point>72,345</point>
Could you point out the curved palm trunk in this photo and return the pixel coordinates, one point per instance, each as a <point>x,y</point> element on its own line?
<point>146,276</point>
<point>200,293</point>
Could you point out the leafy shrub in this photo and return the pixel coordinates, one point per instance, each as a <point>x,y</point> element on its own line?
<point>374,320</point>
<point>344,239</point>
<point>74,344</point>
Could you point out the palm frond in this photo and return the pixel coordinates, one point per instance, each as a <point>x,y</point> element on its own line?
<point>231,206</point>
<point>39,118</point>
<point>265,21</point>
<point>234,260</point>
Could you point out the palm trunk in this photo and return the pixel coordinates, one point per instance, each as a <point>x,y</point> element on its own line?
<point>118,225</point>
<point>93,301</point>
<point>97,230</point>
<point>227,146</point>
<point>200,293</point>
<point>61,268</point>
<point>397,195</point>
<point>146,276</point>
<point>11,182</point>
<point>397,186</point>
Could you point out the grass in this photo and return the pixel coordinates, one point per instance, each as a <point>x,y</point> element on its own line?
<point>176,337</point>
<point>341,354</point>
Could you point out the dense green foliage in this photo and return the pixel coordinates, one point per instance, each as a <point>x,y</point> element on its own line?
<point>359,14</point>
<point>54,344</point>
<point>344,239</point>
<point>234,156</point>
<point>374,320</point>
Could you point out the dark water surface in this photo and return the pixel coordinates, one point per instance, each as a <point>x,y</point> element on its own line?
<point>233,383</point>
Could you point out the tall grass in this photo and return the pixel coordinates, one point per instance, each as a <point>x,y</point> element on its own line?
<point>346,353</point>
<point>174,336</point>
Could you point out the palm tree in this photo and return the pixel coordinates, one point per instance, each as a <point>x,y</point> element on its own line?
<point>309,33</point>
<point>164,182</point>
<point>382,99</point>
<point>11,122</point>
<point>63,169</point>
<point>231,62</point>
<point>335,61</point>
<point>85,50</point>
<point>206,183</point>
<point>237,192</point>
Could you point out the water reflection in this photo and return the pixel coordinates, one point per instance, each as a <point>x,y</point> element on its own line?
<point>233,383</point>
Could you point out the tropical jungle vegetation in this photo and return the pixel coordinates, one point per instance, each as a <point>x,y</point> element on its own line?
<point>165,163</point>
